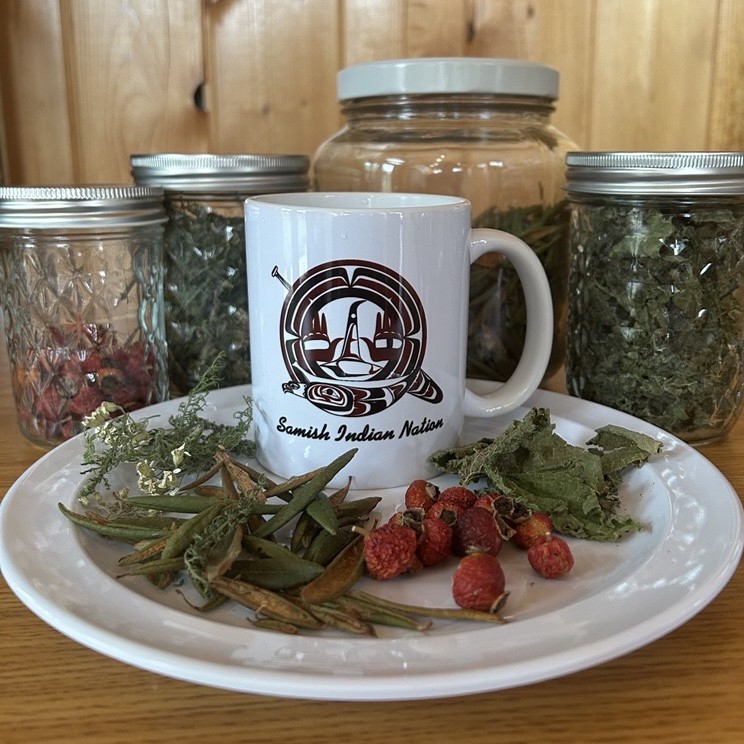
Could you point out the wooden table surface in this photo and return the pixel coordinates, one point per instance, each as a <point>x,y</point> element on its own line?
<point>684,688</point>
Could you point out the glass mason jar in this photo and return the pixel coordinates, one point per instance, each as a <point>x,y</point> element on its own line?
<point>470,127</point>
<point>656,287</point>
<point>206,292</point>
<point>81,273</point>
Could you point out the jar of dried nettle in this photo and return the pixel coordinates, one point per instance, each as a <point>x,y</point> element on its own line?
<point>471,127</point>
<point>82,295</point>
<point>656,288</point>
<point>206,292</point>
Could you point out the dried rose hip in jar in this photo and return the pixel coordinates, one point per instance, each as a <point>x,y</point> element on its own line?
<point>62,385</point>
<point>81,275</point>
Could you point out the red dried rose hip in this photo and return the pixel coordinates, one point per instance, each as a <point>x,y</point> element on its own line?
<point>476,531</point>
<point>537,525</point>
<point>550,556</point>
<point>420,494</point>
<point>390,550</point>
<point>478,582</point>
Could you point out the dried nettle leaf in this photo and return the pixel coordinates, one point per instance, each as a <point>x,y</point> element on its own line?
<point>655,312</point>
<point>576,486</point>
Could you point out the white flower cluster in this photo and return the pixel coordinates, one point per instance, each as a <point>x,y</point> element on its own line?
<point>110,430</point>
<point>165,482</point>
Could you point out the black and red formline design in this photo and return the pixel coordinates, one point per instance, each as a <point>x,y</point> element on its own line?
<point>353,338</point>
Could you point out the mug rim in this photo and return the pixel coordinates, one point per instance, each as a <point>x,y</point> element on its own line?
<point>358,201</point>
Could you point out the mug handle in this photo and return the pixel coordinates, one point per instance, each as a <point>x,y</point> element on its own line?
<point>539,334</point>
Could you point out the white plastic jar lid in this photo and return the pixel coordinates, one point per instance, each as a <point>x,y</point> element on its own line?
<point>447,75</point>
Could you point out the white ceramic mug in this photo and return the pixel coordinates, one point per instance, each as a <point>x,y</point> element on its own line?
<point>358,309</point>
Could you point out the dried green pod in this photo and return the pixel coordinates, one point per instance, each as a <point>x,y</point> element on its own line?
<point>266,548</point>
<point>286,487</point>
<point>148,550</point>
<point>322,511</point>
<point>339,496</point>
<point>305,494</point>
<point>379,616</point>
<point>185,503</point>
<point>304,532</point>
<point>159,566</point>
<point>267,623</point>
<point>339,575</point>
<point>266,602</point>
<point>325,547</point>
<point>224,553</point>
<point>127,534</point>
<point>443,612</point>
<point>286,572</point>
<point>154,521</point>
<point>182,537</point>
<point>338,618</point>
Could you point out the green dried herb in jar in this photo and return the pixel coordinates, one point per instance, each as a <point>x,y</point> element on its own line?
<point>656,287</point>
<point>206,293</point>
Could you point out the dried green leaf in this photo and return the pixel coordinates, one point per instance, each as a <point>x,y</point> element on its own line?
<point>537,468</point>
<point>655,312</point>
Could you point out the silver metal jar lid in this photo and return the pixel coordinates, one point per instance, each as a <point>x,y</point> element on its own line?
<point>209,173</point>
<point>659,173</point>
<point>89,207</point>
<point>447,75</point>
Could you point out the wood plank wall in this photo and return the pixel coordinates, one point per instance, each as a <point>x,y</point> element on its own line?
<point>84,83</point>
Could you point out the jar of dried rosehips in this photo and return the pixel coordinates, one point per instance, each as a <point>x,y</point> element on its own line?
<point>82,281</point>
<point>206,286</point>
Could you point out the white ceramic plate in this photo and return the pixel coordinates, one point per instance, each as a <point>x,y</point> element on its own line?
<point>619,596</point>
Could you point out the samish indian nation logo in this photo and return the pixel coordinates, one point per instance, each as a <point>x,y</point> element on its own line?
<point>353,337</point>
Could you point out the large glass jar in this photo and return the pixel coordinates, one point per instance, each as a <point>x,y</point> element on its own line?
<point>656,287</point>
<point>82,281</point>
<point>206,292</point>
<point>477,128</point>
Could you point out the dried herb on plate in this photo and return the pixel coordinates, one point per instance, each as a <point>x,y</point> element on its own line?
<point>163,455</point>
<point>576,486</point>
<point>655,313</point>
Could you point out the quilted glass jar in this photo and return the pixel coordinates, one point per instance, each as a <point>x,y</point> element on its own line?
<point>656,300</point>
<point>82,281</point>
<point>206,290</point>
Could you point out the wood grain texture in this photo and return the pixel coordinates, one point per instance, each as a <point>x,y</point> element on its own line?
<point>373,29</point>
<point>684,688</point>
<point>37,127</point>
<point>726,128</point>
<point>85,83</point>
<point>272,81</point>
<point>653,75</point>
<point>558,33</point>
<point>133,68</point>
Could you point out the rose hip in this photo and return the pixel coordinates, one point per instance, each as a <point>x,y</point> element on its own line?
<point>478,582</point>
<point>457,495</point>
<point>537,525</point>
<point>420,494</point>
<point>550,556</point>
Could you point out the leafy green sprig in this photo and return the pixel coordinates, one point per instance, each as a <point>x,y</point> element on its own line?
<point>162,455</point>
